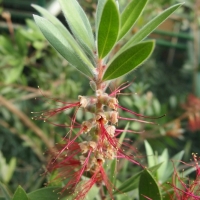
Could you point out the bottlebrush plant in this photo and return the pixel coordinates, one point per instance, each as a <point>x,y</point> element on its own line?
<point>81,158</point>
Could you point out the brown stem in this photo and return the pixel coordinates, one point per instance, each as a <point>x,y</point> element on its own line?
<point>25,119</point>
<point>7,17</point>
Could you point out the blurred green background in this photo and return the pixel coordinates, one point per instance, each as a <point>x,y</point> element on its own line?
<point>168,83</point>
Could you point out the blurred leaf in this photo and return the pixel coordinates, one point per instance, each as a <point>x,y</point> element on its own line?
<point>6,46</point>
<point>164,158</point>
<point>128,185</point>
<point>129,60</point>
<point>5,192</point>
<point>149,27</point>
<point>57,40</point>
<point>108,28</point>
<point>20,194</point>
<point>21,43</point>
<point>122,136</point>
<point>6,170</point>
<point>15,71</point>
<point>93,193</point>
<point>130,15</point>
<point>150,154</point>
<point>79,24</point>
<point>173,163</point>
<point>50,193</point>
<point>148,187</point>
<point>112,173</point>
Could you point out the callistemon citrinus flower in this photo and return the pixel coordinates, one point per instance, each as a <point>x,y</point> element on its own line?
<point>74,159</point>
<point>184,188</point>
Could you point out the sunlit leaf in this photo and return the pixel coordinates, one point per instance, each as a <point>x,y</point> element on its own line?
<point>79,24</point>
<point>150,26</point>
<point>130,15</point>
<point>108,28</point>
<point>129,60</point>
<point>65,33</point>
<point>99,11</point>
<point>57,40</point>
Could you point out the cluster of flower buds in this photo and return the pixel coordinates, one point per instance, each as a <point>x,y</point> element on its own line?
<point>94,144</point>
<point>77,158</point>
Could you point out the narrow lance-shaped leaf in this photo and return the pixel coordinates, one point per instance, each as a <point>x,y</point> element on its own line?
<point>67,35</point>
<point>150,27</point>
<point>129,60</point>
<point>150,154</point>
<point>108,28</point>
<point>57,40</point>
<point>79,24</point>
<point>148,188</point>
<point>99,11</point>
<point>130,15</point>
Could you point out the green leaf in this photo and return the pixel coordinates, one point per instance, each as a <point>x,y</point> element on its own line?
<point>79,24</point>
<point>99,11</point>
<point>57,40</point>
<point>130,15</point>
<point>164,157</point>
<point>16,70</point>
<point>150,154</point>
<point>173,163</point>
<point>108,28</point>
<point>150,26</point>
<point>148,187</point>
<point>67,35</point>
<point>20,194</point>
<point>112,173</point>
<point>129,60</point>
<point>5,192</point>
<point>50,193</point>
<point>129,185</point>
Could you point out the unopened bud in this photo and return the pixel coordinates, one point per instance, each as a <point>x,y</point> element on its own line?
<point>87,125</point>
<point>112,116</point>
<point>83,147</point>
<point>101,116</point>
<point>111,130</point>
<point>83,101</point>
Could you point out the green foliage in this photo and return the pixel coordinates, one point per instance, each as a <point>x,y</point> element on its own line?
<point>20,194</point>
<point>108,27</point>
<point>130,15</point>
<point>61,45</point>
<point>5,192</point>
<point>149,27</point>
<point>107,32</point>
<point>79,24</point>
<point>6,170</point>
<point>50,193</point>
<point>148,187</point>
<point>129,60</point>
<point>31,61</point>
